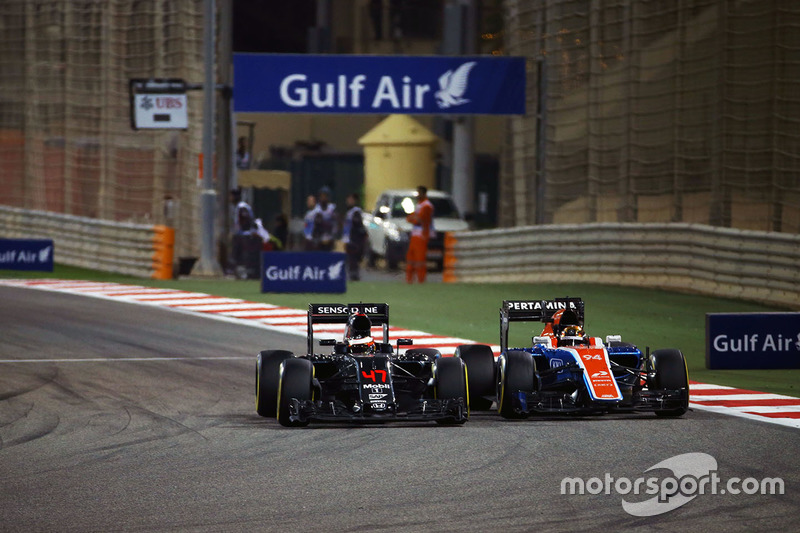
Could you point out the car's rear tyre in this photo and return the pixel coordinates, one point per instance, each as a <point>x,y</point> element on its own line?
<point>481,371</point>
<point>451,383</point>
<point>268,364</point>
<point>517,372</point>
<point>670,373</point>
<point>296,382</point>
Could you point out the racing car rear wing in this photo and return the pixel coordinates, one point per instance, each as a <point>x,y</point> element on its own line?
<point>534,311</point>
<point>339,313</point>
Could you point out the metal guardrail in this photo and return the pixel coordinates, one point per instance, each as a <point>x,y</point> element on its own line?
<point>753,265</point>
<point>133,249</point>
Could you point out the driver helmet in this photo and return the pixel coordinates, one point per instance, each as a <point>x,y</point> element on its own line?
<point>358,334</point>
<point>572,335</point>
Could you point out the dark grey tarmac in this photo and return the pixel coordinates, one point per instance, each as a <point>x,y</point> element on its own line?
<point>116,442</point>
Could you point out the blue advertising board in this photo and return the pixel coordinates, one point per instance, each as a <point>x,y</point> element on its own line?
<point>303,272</point>
<point>26,254</point>
<point>460,85</point>
<point>752,340</point>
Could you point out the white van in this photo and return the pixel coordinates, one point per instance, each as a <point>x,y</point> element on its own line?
<point>389,231</point>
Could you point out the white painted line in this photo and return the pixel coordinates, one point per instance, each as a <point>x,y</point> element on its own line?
<point>789,422</point>
<point>285,312</point>
<point>291,321</point>
<point>201,304</point>
<point>739,397</point>
<point>114,287</point>
<point>261,312</point>
<point>213,308</point>
<point>768,408</point>
<point>708,386</point>
<point>166,295</point>
<point>121,359</point>
<point>104,287</point>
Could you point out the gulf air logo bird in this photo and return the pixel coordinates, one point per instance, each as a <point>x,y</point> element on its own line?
<point>453,85</point>
<point>44,254</point>
<point>335,270</point>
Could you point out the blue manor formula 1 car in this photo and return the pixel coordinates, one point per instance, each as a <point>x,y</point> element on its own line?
<point>566,371</point>
<point>361,379</point>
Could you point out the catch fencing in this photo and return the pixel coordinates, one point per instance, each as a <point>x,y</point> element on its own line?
<point>744,264</point>
<point>653,111</point>
<point>66,143</point>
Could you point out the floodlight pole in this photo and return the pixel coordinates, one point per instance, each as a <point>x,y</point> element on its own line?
<point>459,39</point>
<point>208,265</point>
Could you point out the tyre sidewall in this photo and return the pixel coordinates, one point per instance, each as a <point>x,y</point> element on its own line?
<point>268,363</point>
<point>296,378</point>
<point>481,370</point>
<point>517,371</point>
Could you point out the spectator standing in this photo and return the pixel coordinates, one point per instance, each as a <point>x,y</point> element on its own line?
<point>325,223</point>
<point>422,228</point>
<point>354,236</point>
<point>308,222</point>
<point>281,231</point>
<point>246,240</point>
<point>242,212</point>
<point>242,155</point>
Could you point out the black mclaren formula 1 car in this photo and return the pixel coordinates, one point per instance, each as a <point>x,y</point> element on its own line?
<point>361,379</point>
<point>566,371</point>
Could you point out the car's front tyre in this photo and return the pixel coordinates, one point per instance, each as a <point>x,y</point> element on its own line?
<point>451,383</point>
<point>671,373</point>
<point>268,364</point>
<point>296,382</point>
<point>517,372</point>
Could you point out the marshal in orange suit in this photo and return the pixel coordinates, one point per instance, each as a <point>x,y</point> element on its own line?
<point>422,222</point>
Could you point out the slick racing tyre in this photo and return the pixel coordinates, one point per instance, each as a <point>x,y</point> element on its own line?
<point>268,364</point>
<point>669,367</point>
<point>295,383</point>
<point>481,372</point>
<point>517,372</point>
<point>451,383</point>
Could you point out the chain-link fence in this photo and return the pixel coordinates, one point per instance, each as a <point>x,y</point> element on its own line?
<point>66,143</point>
<point>653,111</point>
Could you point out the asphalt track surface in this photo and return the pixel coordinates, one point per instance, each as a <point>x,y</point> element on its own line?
<point>133,418</point>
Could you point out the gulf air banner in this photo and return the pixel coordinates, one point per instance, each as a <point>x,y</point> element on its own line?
<point>26,254</point>
<point>479,85</point>
<point>303,272</point>
<point>752,340</point>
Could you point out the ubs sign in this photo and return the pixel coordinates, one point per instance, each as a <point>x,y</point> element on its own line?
<point>379,84</point>
<point>752,340</point>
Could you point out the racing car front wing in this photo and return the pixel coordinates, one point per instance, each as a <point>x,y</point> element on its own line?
<point>559,402</point>
<point>452,410</point>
